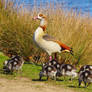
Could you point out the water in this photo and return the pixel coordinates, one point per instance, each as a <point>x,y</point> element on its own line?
<point>85,6</point>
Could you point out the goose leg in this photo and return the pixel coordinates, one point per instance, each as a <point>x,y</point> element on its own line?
<point>50,58</point>
<point>55,56</point>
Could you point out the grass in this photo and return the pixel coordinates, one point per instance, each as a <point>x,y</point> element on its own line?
<point>2,58</point>
<point>31,72</point>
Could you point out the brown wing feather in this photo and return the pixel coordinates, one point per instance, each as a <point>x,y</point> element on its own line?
<point>49,38</point>
<point>63,46</point>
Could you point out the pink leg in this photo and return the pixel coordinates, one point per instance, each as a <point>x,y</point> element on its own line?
<point>50,58</point>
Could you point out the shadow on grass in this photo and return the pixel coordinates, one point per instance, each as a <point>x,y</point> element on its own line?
<point>71,86</point>
<point>39,80</point>
<point>59,80</point>
<point>1,72</point>
<point>32,63</point>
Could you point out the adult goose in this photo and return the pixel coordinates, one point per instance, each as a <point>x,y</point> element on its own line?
<point>46,42</point>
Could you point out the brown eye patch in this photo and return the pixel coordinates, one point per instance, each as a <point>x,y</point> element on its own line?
<point>40,15</point>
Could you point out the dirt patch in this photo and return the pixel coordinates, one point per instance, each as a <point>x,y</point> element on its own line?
<point>26,85</point>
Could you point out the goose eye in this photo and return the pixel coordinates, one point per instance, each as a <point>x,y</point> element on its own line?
<point>40,15</point>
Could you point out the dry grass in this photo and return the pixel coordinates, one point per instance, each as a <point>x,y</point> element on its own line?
<point>75,31</point>
<point>16,31</point>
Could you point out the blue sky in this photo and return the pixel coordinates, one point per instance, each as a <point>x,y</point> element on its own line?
<point>80,5</point>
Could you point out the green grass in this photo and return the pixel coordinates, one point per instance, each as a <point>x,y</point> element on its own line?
<point>74,85</point>
<point>32,72</point>
<point>2,58</point>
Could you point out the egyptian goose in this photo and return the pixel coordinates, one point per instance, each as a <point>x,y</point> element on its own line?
<point>46,42</point>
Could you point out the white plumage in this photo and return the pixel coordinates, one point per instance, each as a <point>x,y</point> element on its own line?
<point>49,46</point>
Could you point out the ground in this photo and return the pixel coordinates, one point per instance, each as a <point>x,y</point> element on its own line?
<point>27,81</point>
<point>26,85</point>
